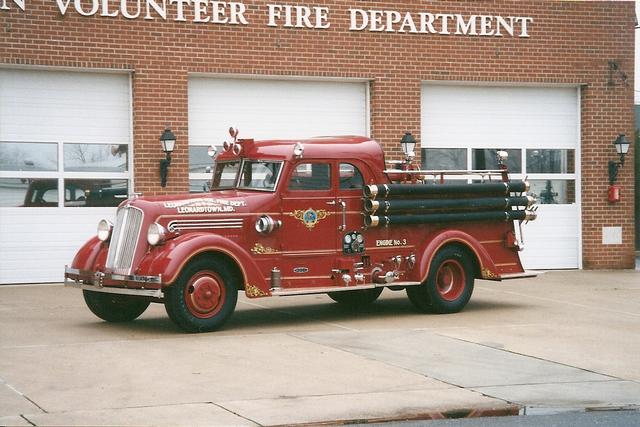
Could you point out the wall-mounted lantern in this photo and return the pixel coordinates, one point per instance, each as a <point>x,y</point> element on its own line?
<point>408,143</point>
<point>622,148</point>
<point>168,141</point>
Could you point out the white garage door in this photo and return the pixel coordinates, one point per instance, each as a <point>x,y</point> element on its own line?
<point>268,109</point>
<point>462,126</point>
<point>64,144</point>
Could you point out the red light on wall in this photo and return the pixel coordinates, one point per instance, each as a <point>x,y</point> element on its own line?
<point>613,194</point>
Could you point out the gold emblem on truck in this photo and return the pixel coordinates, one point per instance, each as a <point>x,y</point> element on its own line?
<point>260,249</point>
<point>309,217</point>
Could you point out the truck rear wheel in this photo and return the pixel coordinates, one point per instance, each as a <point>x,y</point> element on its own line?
<point>359,298</point>
<point>114,307</point>
<point>203,297</point>
<point>449,285</point>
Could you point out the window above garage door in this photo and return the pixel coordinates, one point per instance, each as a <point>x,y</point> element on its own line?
<point>32,174</point>
<point>64,138</point>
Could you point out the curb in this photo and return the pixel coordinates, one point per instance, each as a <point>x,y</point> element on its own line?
<point>506,411</point>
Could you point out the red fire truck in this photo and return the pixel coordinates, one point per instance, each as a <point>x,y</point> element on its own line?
<point>313,216</point>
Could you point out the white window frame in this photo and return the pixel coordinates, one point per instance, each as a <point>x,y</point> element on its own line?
<point>60,174</point>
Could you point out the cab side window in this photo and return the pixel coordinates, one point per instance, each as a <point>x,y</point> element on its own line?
<point>350,177</point>
<point>311,176</point>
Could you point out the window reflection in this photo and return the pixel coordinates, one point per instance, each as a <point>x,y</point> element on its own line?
<point>28,156</point>
<point>350,177</point>
<point>311,176</point>
<point>28,192</point>
<point>550,161</point>
<point>199,159</point>
<point>488,159</point>
<point>444,158</point>
<point>553,191</point>
<point>199,186</point>
<point>95,157</point>
<point>94,192</point>
<point>259,175</point>
<point>225,174</point>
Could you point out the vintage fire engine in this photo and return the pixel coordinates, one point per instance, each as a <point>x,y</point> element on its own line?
<point>313,216</point>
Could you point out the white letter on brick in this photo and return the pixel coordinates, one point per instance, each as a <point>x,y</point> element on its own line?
<point>524,22</point>
<point>354,19</point>
<point>160,10</point>
<point>95,5</point>
<point>180,8</point>
<point>237,13</point>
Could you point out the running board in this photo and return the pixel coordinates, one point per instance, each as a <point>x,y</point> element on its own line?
<point>283,292</point>
<point>526,273</point>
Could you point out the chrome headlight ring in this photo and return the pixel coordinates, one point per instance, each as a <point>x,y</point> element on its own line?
<point>265,224</point>
<point>156,234</point>
<point>105,228</point>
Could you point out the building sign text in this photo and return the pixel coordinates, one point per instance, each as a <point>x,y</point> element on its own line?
<point>293,16</point>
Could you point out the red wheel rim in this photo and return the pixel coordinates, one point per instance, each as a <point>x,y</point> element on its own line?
<point>204,294</point>
<point>450,280</point>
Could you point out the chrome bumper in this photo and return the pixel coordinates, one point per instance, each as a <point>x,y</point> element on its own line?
<point>144,286</point>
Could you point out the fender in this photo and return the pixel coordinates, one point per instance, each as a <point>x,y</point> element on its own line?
<point>169,259</point>
<point>487,267</point>
<point>90,255</point>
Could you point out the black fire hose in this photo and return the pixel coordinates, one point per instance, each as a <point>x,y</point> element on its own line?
<point>494,188</point>
<point>385,220</point>
<point>490,203</point>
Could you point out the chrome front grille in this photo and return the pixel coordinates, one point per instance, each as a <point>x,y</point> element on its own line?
<point>124,240</point>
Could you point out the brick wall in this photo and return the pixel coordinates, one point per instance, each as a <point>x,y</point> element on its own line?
<point>569,43</point>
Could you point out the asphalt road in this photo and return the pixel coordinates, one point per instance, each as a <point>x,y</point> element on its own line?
<point>571,419</point>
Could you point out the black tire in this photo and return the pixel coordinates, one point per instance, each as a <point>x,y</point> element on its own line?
<point>359,298</point>
<point>203,297</point>
<point>114,307</point>
<point>449,285</point>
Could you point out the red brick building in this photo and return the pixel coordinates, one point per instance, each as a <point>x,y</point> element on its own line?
<point>88,86</point>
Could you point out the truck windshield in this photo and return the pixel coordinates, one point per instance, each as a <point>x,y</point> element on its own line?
<point>259,175</point>
<point>225,174</point>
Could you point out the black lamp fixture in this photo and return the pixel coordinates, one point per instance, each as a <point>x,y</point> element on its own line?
<point>622,148</point>
<point>616,75</point>
<point>168,141</point>
<point>408,143</point>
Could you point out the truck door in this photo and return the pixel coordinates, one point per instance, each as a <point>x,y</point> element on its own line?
<point>309,226</point>
<point>350,238</point>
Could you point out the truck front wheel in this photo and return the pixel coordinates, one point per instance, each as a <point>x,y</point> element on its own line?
<point>449,284</point>
<point>113,307</point>
<point>203,297</point>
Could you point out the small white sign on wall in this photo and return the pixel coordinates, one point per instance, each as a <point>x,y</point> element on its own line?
<point>611,235</point>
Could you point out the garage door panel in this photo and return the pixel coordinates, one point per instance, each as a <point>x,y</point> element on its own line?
<point>498,116</point>
<point>462,116</point>
<point>43,244</point>
<point>59,108</point>
<point>274,108</point>
<point>37,105</point>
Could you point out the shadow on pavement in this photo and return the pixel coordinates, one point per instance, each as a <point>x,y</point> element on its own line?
<point>267,319</point>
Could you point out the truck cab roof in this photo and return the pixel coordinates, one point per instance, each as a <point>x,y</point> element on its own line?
<point>324,147</point>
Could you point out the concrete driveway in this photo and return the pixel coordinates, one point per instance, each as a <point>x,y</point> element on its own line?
<point>562,340</point>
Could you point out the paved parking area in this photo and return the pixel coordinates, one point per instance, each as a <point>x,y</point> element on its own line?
<point>562,340</point>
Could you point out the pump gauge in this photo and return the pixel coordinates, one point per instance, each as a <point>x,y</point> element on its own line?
<point>353,243</point>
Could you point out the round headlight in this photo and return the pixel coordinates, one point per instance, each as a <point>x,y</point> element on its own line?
<point>105,228</point>
<point>265,224</point>
<point>156,234</point>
